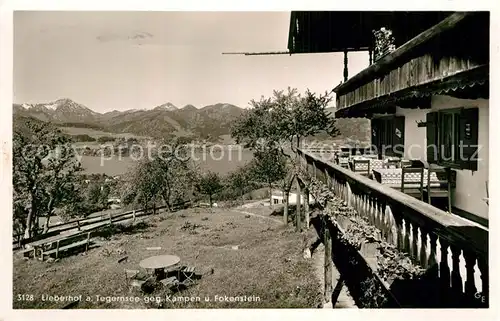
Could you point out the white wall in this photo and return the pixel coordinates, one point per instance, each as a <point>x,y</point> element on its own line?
<point>471,186</point>
<point>292,199</point>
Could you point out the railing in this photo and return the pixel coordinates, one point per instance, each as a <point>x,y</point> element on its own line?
<point>454,251</point>
<point>83,222</point>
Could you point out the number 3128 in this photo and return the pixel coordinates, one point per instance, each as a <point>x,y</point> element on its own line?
<point>25,297</point>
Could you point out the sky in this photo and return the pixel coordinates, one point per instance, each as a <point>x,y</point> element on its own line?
<point>139,60</point>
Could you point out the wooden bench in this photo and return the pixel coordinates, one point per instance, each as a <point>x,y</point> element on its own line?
<point>86,242</point>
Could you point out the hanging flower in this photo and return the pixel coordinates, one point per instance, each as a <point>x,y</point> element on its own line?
<point>384,42</point>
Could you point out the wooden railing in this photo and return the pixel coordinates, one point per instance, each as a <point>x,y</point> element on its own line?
<point>453,250</point>
<point>80,223</point>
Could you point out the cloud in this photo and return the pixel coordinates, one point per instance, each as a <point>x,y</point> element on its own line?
<point>134,37</point>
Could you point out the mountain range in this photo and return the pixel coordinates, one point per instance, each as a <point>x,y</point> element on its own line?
<point>163,121</point>
<point>209,122</point>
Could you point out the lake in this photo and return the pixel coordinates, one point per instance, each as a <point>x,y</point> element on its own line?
<point>220,161</point>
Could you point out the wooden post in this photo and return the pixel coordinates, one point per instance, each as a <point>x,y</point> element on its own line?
<point>110,219</point>
<point>328,262</point>
<point>327,178</point>
<point>78,223</point>
<point>306,208</point>
<point>370,54</point>
<point>346,73</point>
<point>314,170</point>
<point>88,242</point>
<point>154,209</point>
<point>57,251</point>
<point>286,195</point>
<point>298,211</point>
<point>133,216</point>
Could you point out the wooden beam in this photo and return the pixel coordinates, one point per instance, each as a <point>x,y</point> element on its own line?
<point>298,211</point>
<point>387,103</point>
<point>285,209</point>
<point>445,25</point>
<point>306,208</point>
<point>328,262</point>
<point>258,53</point>
<point>346,72</point>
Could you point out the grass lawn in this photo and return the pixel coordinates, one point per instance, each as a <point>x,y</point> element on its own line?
<point>267,265</point>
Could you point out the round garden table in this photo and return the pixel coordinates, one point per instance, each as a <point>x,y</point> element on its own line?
<point>159,263</point>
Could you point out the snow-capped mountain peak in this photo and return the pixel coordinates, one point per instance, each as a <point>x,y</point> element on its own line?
<point>52,106</point>
<point>168,106</point>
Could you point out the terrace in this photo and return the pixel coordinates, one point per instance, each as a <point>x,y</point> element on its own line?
<point>451,252</point>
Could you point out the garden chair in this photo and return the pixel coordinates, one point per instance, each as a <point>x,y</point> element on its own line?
<point>412,181</point>
<point>361,166</point>
<point>440,188</point>
<point>187,273</point>
<point>133,278</point>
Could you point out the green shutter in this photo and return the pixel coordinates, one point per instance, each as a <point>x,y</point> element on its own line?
<point>398,135</point>
<point>468,137</point>
<point>432,137</point>
<point>375,126</point>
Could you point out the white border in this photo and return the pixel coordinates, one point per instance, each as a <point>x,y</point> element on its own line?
<point>6,8</point>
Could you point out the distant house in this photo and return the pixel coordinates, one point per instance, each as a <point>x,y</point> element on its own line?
<point>114,203</point>
<point>278,198</point>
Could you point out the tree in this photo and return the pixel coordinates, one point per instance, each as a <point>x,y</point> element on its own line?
<point>283,120</point>
<point>210,184</point>
<point>168,175</point>
<point>238,181</point>
<point>44,173</point>
<point>269,166</point>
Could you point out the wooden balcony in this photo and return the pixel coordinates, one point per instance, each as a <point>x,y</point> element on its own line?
<point>451,56</point>
<point>452,251</point>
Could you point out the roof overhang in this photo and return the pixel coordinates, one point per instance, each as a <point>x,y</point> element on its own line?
<point>404,51</point>
<point>473,83</point>
<point>339,31</point>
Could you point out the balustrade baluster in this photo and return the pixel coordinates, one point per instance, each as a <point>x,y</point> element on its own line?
<point>381,215</point>
<point>364,206</point>
<point>423,248</point>
<point>433,268</point>
<point>444,268</point>
<point>407,236</point>
<point>375,215</point>
<point>389,225</point>
<point>400,242</point>
<point>483,268</point>
<point>456,278</point>
<point>414,246</point>
<point>381,220</point>
<point>371,202</point>
<point>367,207</point>
<point>470,284</point>
<point>373,212</point>
<point>349,195</point>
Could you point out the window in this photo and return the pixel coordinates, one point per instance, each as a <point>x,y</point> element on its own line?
<point>388,135</point>
<point>276,201</point>
<point>452,138</point>
<point>449,122</point>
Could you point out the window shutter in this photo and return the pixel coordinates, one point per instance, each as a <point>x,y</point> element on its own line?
<point>432,137</point>
<point>398,135</point>
<point>468,138</point>
<point>375,126</point>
